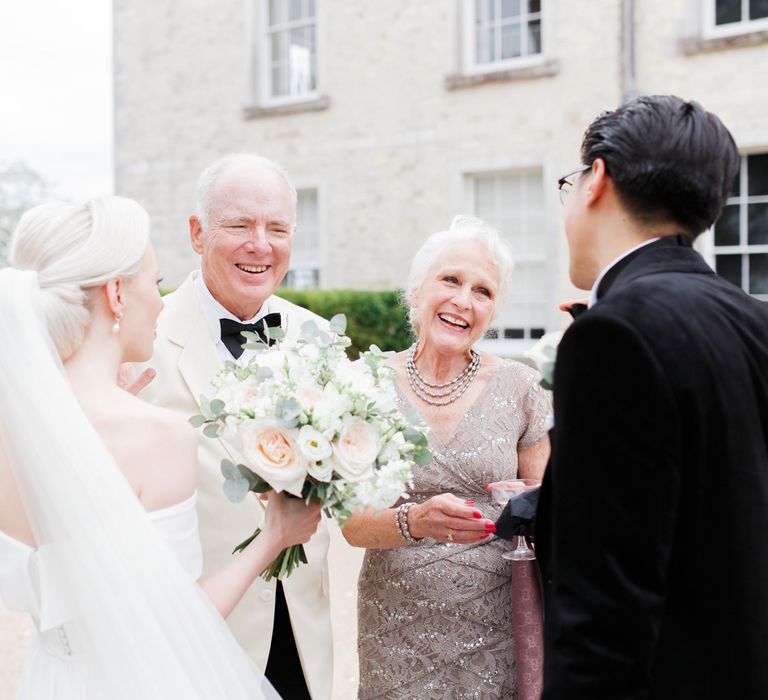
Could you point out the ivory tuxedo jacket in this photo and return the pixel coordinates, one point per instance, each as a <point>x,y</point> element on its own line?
<point>186,361</point>
<point>652,530</point>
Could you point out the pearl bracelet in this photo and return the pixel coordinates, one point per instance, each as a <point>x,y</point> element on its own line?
<point>401,522</point>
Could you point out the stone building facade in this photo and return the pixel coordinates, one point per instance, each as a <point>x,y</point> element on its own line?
<point>395,115</point>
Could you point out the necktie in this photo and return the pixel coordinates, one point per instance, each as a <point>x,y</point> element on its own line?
<point>232,332</point>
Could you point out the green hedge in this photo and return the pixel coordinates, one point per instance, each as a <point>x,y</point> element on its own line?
<point>372,317</point>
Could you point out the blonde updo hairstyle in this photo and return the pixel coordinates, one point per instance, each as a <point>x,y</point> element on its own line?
<point>463,229</point>
<point>75,249</point>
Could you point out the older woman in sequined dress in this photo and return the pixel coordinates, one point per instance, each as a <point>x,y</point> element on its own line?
<point>435,597</point>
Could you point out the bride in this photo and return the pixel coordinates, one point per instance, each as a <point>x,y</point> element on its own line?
<point>98,532</point>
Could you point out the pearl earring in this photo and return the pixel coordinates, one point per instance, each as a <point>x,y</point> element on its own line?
<point>116,327</point>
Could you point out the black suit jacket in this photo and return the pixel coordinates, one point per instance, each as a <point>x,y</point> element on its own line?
<point>652,530</point>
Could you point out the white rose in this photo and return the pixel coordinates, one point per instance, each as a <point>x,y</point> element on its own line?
<point>313,444</point>
<point>322,471</point>
<point>308,395</point>
<point>356,450</point>
<point>273,454</point>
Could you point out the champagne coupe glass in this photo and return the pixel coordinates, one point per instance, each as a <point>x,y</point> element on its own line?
<point>502,491</point>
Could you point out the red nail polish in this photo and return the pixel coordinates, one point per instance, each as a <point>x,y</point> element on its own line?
<point>477,514</point>
<point>491,527</point>
<point>469,503</point>
<point>487,486</point>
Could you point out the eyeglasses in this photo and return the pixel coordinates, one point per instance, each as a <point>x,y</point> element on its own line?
<point>564,185</point>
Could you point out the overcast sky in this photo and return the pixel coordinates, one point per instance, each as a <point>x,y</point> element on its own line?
<point>56,92</point>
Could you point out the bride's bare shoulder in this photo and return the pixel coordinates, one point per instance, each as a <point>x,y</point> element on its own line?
<point>156,448</point>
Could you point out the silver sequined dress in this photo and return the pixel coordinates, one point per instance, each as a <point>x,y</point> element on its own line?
<point>435,619</point>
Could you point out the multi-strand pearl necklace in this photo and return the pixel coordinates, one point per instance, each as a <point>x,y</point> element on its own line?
<point>440,394</point>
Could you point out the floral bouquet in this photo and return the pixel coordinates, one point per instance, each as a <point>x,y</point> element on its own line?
<point>544,354</point>
<point>312,423</point>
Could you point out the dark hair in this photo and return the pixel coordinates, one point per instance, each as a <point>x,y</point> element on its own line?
<point>669,160</point>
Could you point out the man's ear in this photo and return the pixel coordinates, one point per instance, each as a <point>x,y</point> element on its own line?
<point>598,182</point>
<point>196,234</point>
<point>113,293</point>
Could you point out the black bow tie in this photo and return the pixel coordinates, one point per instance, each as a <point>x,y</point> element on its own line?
<point>232,332</point>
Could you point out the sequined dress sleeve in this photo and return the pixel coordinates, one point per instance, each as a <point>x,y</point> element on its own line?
<point>435,619</point>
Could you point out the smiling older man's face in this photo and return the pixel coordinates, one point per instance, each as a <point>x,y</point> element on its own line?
<point>246,243</point>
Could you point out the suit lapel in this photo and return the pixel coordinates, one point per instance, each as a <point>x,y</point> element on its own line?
<point>198,360</point>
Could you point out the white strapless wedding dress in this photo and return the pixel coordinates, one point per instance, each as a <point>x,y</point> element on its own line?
<point>52,668</point>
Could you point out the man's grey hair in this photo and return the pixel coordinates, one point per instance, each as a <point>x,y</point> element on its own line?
<point>207,180</point>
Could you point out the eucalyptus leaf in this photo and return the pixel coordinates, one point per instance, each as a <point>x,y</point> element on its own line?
<point>196,421</point>
<point>211,430</point>
<point>264,373</point>
<point>275,333</point>
<point>414,436</point>
<point>205,407</point>
<point>217,407</point>
<point>338,324</point>
<point>236,489</point>
<point>229,470</point>
<point>422,456</point>
<point>309,330</point>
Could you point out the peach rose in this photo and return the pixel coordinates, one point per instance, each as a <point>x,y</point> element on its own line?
<point>272,453</point>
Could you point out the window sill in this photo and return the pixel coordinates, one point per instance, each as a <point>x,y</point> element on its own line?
<point>315,104</point>
<point>692,45</point>
<point>545,69</point>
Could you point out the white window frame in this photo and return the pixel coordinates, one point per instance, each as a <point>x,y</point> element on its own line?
<point>706,243</point>
<point>516,347</point>
<point>320,262</point>
<point>262,59</point>
<point>470,65</point>
<point>745,26</point>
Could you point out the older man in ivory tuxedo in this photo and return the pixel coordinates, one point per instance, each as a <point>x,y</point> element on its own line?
<point>243,228</point>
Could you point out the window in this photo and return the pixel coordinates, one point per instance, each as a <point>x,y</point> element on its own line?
<point>289,53</point>
<point>736,16</point>
<point>740,237</point>
<point>502,34</point>
<point>514,203</point>
<point>304,272</point>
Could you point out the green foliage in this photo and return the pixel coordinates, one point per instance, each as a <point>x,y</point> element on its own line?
<point>373,318</point>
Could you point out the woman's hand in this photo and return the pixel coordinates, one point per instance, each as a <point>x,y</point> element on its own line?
<point>447,518</point>
<point>290,520</point>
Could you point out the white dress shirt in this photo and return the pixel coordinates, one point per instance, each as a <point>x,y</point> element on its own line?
<point>596,285</point>
<point>213,311</point>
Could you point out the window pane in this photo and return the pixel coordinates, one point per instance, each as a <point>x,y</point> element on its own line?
<point>306,238</point>
<point>484,38</point>
<point>510,8</point>
<point>757,224</point>
<point>279,47</point>
<point>485,198</point>
<point>729,266</point>
<point>294,10</point>
<point>727,226</point>
<point>757,174</point>
<point>279,80</point>
<point>510,40</point>
<point>534,6</point>
<point>727,11</point>
<point>736,189</point>
<point>536,333</point>
<point>311,8</point>
<point>484,11</point>
<point>277,10</point>
<point>534,37</point>
<point>300,61</point>
<point>758,273</point>
<point>758,9</point>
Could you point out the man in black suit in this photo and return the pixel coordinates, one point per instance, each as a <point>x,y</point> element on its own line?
<point>652,530</point>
